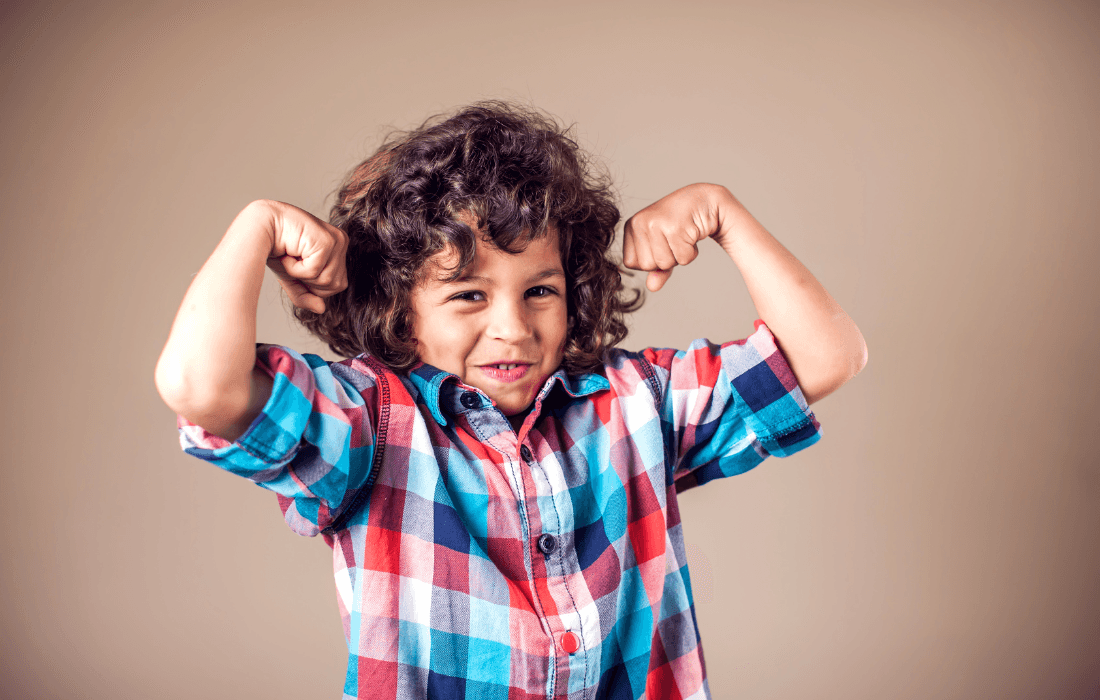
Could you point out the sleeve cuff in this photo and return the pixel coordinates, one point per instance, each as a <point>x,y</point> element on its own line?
<point>777,412</point>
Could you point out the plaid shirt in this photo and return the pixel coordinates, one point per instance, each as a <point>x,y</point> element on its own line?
<point>478,563</point>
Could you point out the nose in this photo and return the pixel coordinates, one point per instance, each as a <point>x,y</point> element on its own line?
<point>508,321</point>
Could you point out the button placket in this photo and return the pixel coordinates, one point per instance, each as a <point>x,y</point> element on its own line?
<point>546,543</point>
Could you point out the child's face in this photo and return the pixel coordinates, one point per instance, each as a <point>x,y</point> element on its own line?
<point>501,327</point>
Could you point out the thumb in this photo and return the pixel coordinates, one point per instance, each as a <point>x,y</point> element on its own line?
<point>302,297</point>
<point>657,279</point>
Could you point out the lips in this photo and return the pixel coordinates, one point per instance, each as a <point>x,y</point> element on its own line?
<point>505,371</point>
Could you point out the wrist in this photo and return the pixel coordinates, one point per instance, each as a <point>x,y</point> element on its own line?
<point>257,224</point>
<point>732,219</point>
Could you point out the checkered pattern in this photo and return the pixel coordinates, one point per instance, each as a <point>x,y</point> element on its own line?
<point>442,585</point>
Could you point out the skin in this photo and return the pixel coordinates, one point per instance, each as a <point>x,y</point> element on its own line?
<point>207,372</point>
<point>506,308</point>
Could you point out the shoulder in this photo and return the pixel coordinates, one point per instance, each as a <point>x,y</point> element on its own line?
<point>705,362</point>
<point>626,368</point>
<point>334,404</point>
<point>627,371</point>
<point>343,383</point>
<point>634,366</point>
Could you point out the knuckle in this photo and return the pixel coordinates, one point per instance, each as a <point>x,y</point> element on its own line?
<point>685,254</point>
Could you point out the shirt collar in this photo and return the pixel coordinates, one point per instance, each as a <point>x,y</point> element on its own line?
<point>441,391</point>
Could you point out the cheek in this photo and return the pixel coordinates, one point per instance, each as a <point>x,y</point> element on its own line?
<point>443,339</point>
<point>560,331</point>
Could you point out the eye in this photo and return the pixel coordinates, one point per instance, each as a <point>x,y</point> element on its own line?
<point>540,291</point>
<point>469,296</point>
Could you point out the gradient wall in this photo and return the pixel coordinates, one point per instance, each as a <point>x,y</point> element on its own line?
<point>934,163</point>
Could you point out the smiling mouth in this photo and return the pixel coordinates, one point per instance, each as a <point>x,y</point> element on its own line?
<point>505,371</point>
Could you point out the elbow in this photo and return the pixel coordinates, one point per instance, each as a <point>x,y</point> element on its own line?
<point>171,384</point>
<point>860,360</point>
<point>200,403</point>
<point>849,358</point>
<point>849,364</point>
<point>842,369</point>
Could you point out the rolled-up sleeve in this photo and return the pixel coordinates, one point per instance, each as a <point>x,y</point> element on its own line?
<point>725,408</point>
<point>313,442</point>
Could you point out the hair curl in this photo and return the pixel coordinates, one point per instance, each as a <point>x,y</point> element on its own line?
<point>514,171</point>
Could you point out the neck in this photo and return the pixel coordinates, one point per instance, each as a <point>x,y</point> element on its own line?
<point>517,420</point>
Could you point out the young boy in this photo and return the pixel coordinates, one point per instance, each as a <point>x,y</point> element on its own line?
<point>498,482</point>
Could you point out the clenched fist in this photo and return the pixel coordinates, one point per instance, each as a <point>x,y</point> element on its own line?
<point>307,255</point>
<point>667,233</point>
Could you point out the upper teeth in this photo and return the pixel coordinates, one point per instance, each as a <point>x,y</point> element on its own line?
<point>506,366</point>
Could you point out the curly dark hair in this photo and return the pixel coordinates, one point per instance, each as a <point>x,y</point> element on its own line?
<point>515,172</point>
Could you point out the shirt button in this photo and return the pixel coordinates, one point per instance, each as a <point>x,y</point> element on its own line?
<point>570,643</point>
<point>525,452</point>
<point>470,400</point>
<point>547,543</point>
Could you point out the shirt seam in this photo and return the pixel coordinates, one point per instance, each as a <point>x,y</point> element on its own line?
<point>788,429</point>
<point>253,447</point>
<point>363,491</point>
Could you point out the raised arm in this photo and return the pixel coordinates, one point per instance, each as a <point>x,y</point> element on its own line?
<point>207,371</point>
<point>820,341</point>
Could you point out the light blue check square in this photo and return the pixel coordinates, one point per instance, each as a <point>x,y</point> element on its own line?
<point>415,644</point>
<point>489,621</point>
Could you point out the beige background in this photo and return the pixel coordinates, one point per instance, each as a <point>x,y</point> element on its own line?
<point>935,164</point>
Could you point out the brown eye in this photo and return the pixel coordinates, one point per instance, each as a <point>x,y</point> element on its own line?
<point>540,291</point>
<point>469,296</point>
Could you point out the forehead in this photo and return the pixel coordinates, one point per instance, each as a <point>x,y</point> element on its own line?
<point>541,255</point>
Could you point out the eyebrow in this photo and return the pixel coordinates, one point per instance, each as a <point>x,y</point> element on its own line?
<point>481,279</point>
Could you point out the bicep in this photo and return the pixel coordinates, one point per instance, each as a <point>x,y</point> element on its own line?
<point>226,415</point>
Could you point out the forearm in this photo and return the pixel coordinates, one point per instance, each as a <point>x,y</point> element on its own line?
<point>205,371</point>
<point>821,342</point>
